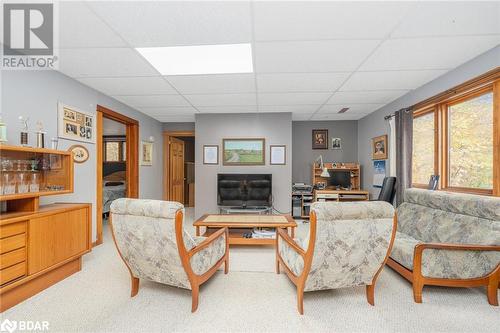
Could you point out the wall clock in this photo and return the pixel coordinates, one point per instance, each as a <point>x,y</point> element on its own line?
<point>80,153</point>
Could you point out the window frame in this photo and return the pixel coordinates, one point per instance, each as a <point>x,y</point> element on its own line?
<point>487,83</point>
<point>424,112</point>
<point>121,153</point>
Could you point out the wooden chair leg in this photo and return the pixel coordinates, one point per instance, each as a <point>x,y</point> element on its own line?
<point>195,294</point>
<point>418,285</point>
<point>300,299</point>
<point>493,291</point>
<point>135,286</point>
<point>226,265</point>
<point>370,294</point>
<point>277,266</point>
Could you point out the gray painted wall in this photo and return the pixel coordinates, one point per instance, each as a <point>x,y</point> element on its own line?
<point>374,124</point>
<point>304,154</point>
<point>178,126</point>
<point>35,94</point>
<point>276,128</point>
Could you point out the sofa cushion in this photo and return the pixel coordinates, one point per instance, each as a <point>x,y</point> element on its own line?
<point>403,248</point>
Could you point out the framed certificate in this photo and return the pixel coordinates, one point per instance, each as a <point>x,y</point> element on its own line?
<point>211,154</point>
<point>278,154</point>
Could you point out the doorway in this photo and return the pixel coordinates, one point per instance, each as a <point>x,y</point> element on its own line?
<point>178,173</point>
<point>127,153</point>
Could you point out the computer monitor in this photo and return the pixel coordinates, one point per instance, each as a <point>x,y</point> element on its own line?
<point>339,179</point>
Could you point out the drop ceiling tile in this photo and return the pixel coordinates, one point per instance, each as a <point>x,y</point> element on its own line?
<point>300,82</point>
<point>301,116</point>
<point>168,111</point>
<point>304,108</point>
<point>103,62</point>
<point>140,101</point>
<point>213,84</point>
<point>353,97</point>
<point>390,80</point>
<point>311,56</point>
<point>353,108</point>
<point>444,18</point>
<point>292,98</point>
<point>428,53</point>
<point>175,118</point>
<point>222,99</point>
<point>129,85</point>
<point>325,20</point>
<point>175,23</point>
<point>228,109</point>
<point>80,27</point>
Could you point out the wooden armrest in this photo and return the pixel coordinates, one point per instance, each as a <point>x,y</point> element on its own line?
<point>457,247</point>
<point>284,235</point>
<point>210,239</point>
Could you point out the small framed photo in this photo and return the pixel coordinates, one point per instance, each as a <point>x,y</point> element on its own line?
<point>147,153</point>
<point>319,139</point>
<point>74,124</point>
<point>211,154</point>
<point>379,148</point>
<point>278,155</point>
<point>336,143</point>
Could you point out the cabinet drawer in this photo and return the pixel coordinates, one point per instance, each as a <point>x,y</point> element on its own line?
<point>13,272</point>
<point>12,243</point>
<point>12,229</point>
<point>13,257</point>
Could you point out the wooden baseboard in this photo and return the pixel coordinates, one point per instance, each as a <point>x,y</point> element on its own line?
<point>26,290</point>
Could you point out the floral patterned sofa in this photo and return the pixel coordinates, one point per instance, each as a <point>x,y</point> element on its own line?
<point>348,245</point>
<point>150,238</point>
<point>448,239</point>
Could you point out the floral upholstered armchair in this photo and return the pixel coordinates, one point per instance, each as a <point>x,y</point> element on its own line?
<point>150,239</point>
<point>347,245</point>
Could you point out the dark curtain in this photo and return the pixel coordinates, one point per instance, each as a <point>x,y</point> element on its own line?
<point>404,142</point>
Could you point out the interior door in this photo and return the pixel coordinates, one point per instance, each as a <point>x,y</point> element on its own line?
<point>176,170</point>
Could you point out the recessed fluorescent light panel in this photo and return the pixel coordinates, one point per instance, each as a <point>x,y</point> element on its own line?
<point>200,59</point>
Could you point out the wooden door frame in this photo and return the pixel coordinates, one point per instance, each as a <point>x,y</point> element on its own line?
<point>166,158</point>
<point>132,159</point>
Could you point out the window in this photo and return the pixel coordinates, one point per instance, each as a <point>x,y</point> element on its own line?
<point>456,135</point>
<point>114,149</point>
<point>424,129</point>
<point>470,143</point>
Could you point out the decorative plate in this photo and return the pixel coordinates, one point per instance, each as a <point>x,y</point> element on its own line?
<point>80,153</point>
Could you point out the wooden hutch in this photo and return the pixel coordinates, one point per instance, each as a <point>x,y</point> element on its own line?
<point>39,244</point>
<point>354,193</point>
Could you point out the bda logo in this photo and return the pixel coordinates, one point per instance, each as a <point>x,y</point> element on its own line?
<point>8,326</point>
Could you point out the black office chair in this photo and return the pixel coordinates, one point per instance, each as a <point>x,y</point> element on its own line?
<point>388,190</point>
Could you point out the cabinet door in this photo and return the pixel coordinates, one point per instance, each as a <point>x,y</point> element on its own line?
<point>57,237</point>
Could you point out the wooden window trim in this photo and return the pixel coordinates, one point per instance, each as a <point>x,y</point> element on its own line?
<point>486,83</point>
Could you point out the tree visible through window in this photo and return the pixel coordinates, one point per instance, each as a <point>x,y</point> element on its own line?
<point>470,143</point>
<point>423,148</point>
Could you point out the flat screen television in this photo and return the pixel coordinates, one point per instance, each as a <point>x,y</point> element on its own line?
<point>340,179</point>
<point>244,190</point>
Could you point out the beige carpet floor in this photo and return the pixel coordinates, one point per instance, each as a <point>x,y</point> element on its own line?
<point>251,298</point>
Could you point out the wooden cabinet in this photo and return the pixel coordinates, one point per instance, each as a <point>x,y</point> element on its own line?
<point>39,245</point>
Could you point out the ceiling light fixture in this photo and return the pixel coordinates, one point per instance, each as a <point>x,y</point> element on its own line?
<point>200,59</point>
<point>343,110</point>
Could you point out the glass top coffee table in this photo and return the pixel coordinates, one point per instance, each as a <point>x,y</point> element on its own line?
<point>239,224</point>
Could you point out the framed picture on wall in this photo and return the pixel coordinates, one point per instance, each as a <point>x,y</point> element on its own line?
<point>277,154</point>
<point>243,151</point>
<point>211,154</point>
<point>379,148</point>
<point>319,139</point>
<point>336,143</point>
<point>74,124</point>
<point>146,153</point>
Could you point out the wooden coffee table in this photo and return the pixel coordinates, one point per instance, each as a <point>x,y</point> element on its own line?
<point>238,224</point>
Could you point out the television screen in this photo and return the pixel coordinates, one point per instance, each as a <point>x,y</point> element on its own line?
<point>244,190</point>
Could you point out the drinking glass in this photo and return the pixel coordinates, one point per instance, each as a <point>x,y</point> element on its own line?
<point>35,183</point>
<point>22,183</point>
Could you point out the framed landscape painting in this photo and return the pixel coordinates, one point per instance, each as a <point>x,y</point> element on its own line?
<point>243,151</point>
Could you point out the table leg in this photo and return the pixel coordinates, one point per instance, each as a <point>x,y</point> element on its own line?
<point>197,231</point>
